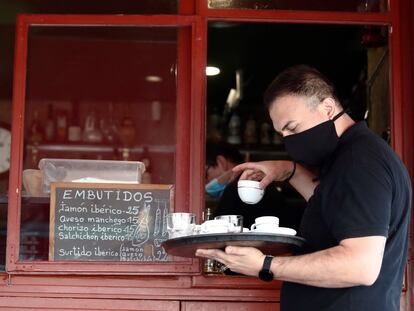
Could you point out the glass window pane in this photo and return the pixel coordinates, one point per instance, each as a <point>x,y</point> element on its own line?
<point>356,62</point>
<point>97,93</point>
<point>319,5</point>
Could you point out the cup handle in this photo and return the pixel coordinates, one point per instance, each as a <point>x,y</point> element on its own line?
<point>253,227</point>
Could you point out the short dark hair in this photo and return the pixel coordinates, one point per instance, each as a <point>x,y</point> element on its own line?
<point>300,80</point>
<point>224,149</point>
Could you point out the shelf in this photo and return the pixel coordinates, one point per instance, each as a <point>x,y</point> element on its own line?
<point>101,148</point>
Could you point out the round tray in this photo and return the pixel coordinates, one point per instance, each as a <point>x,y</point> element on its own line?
<point>268,243</point>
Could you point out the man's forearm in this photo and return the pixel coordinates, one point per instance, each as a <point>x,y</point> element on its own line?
<point>333,267</point>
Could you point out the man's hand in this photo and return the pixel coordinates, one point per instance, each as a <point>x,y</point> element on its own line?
<point>354,262</point>
<point>303,180</point>
<point>244,260</point>
<point>267,171</point>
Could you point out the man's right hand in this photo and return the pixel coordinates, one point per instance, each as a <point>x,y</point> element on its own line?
<point>265,171</point>
<point>303,180</point>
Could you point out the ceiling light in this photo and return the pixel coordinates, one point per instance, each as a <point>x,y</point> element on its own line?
<point>153,78</point>
<point>212,71</point>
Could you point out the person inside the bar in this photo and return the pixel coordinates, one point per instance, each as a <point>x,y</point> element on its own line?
<point>357,218</point>
<point>221,182</point>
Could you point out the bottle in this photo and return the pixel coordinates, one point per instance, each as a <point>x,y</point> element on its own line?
<point>127,132</point>
<point>265,133</point>
<point>234,130</point>
<point>146,176</point>
<point>91,133</point>
<point>214,126</point>
<point>74,129</point>
<point>210,266</point>
<point>50,124</point>
<point>250,135</point>
<point>109,127</point>
<point>61,125</point>
<point>35,130</point>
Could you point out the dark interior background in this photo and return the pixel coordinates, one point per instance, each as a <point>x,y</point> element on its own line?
<point>261,51</point>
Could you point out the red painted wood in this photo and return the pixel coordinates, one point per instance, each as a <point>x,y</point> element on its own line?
<point>406,59</point>
<point>233,282</point>
<point>395,80</point>
<point>55,304</point>
<point>183,72</point>
<point>16,158</point>
<point>154,288</point>
<point>313,17</point>
<point>198,112</point>
<point>107,20</point>
<point>186,7</point>
<point>229,306</point>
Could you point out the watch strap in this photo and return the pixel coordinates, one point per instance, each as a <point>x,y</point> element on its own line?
<point>267,263</point>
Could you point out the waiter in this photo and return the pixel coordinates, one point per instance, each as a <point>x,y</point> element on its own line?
<point>358,204</point>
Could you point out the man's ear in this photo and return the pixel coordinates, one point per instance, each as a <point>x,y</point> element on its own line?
<point>222,162</point>
<point>329,107</point>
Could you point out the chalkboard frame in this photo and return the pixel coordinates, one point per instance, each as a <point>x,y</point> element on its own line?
<point>117,186</point>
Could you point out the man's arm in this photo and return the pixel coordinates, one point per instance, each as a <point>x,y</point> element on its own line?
<point>354,262</point>
<point>302,180</point>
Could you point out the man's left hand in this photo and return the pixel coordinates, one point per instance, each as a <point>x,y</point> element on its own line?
<point>244,260</point>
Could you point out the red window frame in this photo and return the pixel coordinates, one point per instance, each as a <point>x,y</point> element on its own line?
<point>187,140</point>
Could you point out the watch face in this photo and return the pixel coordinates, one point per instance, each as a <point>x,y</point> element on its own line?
<point>5,141</point>
<point>266,275</point>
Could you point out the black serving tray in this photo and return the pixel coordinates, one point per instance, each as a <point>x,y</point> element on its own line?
<point>269,243</point>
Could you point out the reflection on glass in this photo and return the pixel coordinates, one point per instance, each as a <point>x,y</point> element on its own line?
<point>88,96</point>
<point>320,5</point>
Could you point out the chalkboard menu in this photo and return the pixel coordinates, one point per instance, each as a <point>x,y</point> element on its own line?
<point>109,222</point>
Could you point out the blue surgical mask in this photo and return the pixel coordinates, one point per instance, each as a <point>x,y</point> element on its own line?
<point>214,188</point>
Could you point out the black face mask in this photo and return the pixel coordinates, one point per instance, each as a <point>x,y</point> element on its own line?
<point>315,145</point>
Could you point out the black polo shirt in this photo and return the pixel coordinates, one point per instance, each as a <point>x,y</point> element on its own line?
<point>364,190</point>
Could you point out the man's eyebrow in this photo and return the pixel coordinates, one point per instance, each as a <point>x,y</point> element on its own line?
<point>287,124</point>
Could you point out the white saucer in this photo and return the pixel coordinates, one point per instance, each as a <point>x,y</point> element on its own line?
<point>278,230</point>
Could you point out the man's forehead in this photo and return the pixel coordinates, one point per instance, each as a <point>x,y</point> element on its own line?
<point>284,106</point>
<point>286,109</point>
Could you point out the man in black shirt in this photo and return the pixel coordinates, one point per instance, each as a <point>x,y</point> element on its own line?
<point>357,218</point>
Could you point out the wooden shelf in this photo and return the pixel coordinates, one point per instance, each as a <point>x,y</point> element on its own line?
<point>100,148</point>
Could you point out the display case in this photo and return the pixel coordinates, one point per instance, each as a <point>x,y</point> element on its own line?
<point>110,90</point>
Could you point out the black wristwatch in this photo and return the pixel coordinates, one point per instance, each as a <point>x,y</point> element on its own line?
<point>265,274</point>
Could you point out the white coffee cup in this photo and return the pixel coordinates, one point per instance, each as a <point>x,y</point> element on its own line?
<point>264,227</point>
<point>216,226</point>
<point>267,220</point>
<point>265,223</point>
<point>249,191</point>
